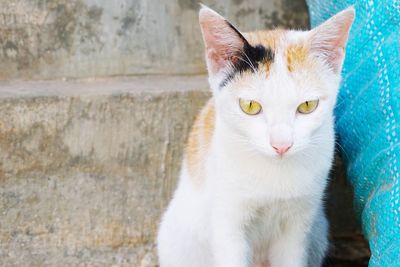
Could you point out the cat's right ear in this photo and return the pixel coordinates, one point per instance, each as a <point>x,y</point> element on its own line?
<point>223,41</point>
<point>329,39</point>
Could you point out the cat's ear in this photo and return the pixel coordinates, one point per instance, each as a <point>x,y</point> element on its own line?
<point>329,39</point>
<point>223,41</point>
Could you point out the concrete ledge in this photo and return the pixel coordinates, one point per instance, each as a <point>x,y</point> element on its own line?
<point>156,84</point>
<point>86,168</point>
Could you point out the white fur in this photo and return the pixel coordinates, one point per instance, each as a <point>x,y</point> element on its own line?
<point>253,205</point>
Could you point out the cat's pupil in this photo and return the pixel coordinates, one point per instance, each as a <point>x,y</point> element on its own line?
<point>307,103</point>
<point>251,102</point>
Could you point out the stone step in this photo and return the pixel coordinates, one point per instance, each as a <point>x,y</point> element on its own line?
<point>87,167</point>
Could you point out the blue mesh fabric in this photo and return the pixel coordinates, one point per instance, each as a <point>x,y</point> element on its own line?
<point>368,118</point>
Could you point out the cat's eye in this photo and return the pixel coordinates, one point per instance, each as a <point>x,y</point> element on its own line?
<point>308,106</point>
<point>250,107</point>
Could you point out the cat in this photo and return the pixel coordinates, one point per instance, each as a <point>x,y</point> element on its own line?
<point>256,164</point>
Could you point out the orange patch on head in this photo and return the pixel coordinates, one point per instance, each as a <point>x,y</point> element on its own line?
<point>296,56</point>
<point>200,139</point>
<point>267,67</point>
<point>270,39</point>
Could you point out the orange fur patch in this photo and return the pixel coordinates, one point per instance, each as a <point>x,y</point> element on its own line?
<point>270,39</point>
<point>200,139</point>
<point>208,123</point>
<point>296,55</point>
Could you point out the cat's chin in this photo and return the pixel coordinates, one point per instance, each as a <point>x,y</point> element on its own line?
<point>272,155</point>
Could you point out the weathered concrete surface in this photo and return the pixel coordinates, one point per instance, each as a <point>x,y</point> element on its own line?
<point>87,167</point>
<point>50,39</point>
<point>84,178</point>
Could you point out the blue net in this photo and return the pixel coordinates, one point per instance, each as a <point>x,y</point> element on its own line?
<point>368,118</point>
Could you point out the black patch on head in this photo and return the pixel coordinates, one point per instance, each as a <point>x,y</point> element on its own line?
<point>248,59</point>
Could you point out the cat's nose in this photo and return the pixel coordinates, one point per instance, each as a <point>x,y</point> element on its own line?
<point>281,148</point>
<point>281,137</point>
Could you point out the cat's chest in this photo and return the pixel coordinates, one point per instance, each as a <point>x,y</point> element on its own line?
<point>271,219</point>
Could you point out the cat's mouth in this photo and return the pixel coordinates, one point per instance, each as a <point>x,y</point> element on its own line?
<point>270,153</point>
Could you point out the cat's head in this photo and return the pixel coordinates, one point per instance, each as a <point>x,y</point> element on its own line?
<point>275,89</point>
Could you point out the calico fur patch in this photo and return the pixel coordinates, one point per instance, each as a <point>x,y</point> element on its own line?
<point>249,59</point>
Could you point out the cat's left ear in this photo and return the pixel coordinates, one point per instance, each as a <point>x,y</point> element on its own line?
<point>329,39</point>
<point>223,41</point>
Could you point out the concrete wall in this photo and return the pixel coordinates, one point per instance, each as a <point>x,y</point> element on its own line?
<point>50,39</point>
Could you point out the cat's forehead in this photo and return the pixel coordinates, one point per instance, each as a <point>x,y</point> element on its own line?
<point>291,46</point>
<point>291,68</point>
<point>271,38</point>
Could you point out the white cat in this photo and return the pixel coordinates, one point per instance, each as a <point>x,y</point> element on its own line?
<point>257,161</point>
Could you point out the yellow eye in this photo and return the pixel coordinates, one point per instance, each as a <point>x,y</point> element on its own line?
<point>308,106</point>
<point>250,107</point>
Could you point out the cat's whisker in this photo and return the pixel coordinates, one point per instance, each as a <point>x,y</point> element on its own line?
<point>247,62</point>
<point>251,63</point>
<point>341,150</point>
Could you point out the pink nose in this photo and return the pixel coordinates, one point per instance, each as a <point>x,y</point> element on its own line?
<point>282,149</point>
